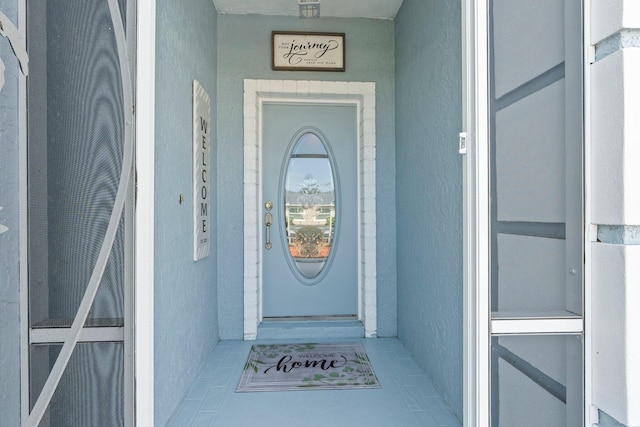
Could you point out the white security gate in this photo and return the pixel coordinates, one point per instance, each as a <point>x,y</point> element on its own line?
<point>77,309</point>
<point>536,258</point>
<point>527,166</point>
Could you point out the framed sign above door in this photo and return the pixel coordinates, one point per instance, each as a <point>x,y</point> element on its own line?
<point>302,51</point>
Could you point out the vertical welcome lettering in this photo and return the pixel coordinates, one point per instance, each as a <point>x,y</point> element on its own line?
<point>204,191</point>
<point>201,172</point>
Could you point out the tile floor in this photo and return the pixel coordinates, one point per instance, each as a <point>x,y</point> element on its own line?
<point>407,397</point>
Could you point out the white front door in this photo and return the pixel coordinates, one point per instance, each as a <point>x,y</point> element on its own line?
<point>310,250</point>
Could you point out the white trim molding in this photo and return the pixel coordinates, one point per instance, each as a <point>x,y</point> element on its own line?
<point>360,94</point>
<point>539,326</point>
<point>144,213</point>
<point>477,215</point>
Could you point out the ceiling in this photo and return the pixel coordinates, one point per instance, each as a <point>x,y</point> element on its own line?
<point>375,9</point>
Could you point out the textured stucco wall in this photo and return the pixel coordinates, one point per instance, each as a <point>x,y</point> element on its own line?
<point>186,326</point>
<point>244,49</point>
<point>429,190</point>
<point>9,240</point>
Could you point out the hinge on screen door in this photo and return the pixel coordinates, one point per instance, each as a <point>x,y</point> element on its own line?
<point>135,187</point>
<point>592,54</point>
<point>462,143</point>
<point>594,416</point>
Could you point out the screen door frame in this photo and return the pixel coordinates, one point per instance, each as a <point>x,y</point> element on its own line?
<point>477,215</point>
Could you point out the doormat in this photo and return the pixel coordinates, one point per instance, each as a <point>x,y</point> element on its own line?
<point>280,367</point>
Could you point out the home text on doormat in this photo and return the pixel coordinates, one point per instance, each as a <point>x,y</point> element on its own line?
<point>279,367</point>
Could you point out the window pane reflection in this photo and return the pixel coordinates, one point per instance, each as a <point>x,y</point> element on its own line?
<point>310,207</point>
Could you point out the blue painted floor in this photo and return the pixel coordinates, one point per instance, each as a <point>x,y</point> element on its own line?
<point>407,397</point>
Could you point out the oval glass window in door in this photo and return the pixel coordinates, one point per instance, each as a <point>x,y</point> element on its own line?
<point>310,205</point>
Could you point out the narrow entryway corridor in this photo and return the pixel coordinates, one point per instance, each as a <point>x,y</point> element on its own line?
<point>406,398</point>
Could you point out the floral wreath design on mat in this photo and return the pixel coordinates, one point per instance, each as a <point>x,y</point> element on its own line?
<point>338,372</point>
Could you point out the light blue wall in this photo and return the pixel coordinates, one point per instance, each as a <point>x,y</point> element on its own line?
<point>186,320</point>
<point>429,190</point>
<point>244,51</point>
<point>9,241</point>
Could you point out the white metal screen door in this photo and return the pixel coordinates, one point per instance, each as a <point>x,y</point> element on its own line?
<point>77,354</point>
<point>536,213</point>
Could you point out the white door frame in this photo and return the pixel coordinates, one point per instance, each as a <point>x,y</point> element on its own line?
<point>145,101</point>
<point>359,94</point>
<point>475,72</point>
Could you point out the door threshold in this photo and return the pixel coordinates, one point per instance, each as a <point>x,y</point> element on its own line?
<point>310,318</point>
<point>325,327</point>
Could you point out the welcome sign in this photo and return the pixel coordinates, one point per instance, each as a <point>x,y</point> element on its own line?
<point>201,172</point>
<point>308,51</point>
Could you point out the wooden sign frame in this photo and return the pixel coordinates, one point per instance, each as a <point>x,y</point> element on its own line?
<point>307,51</point>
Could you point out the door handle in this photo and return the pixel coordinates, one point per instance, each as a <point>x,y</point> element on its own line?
<point>268,220</point>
